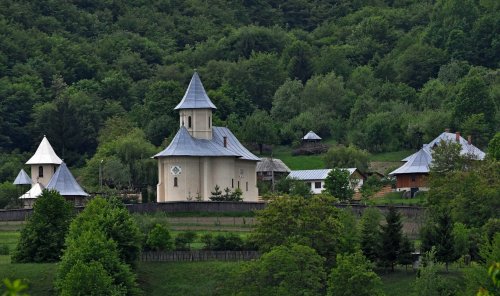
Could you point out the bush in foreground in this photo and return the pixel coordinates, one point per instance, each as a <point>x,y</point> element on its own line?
<point>42,239</point>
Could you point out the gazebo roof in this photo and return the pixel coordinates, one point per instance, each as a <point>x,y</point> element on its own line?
<point>22,178</point>
<point>272,165</point>
<point>64,182</point>
<point>311,136</point>
<point>195,97</point>
<point>44,154</point>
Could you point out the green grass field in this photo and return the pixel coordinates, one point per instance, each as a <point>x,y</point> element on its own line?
<point>9,238</point>
<point>197,278</point>
<point>309,162</point>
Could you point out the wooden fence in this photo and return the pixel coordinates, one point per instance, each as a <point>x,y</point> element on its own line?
<point>199,255</point>
<point>215,207</point>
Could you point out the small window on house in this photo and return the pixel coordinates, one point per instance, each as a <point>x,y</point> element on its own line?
<point>246,186</point>
<point>238,184</point>
<point>317,185</point>
<point>40,171</point>
<point>232,183</point>
<point>189,121</point>
<point>175,182</point>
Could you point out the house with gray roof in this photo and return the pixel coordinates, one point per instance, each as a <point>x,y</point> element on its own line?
<point>412,175</point>
<point>316,178</point>
<point>201,156</point>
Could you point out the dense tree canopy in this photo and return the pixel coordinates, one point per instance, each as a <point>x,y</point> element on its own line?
<point>382,75</point>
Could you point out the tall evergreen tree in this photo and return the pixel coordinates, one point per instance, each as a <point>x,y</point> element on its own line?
<point>445,251</point>
<point>370,233</point>
<point>392,237</point>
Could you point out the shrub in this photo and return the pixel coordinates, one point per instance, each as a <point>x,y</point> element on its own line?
<point>159,238</point>
<point>184,240</point>
<point>353,275</point>
<point>285,270</point>
<point>90,254</point>
<point>4,250</point>
<point>42,239</point>
<point>115,221</point>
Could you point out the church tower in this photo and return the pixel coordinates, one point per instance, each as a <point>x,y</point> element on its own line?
<point>43,163</point>
<point>195,110</point>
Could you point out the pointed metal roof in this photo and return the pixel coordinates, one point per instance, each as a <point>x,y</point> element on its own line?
<point>64,182</point>
<point>272,165</point>
<point>22,178</point>
<point>195,97</point>
<point>44,154</point>
<point>311,136</point>
<point>34,192</point>
<point>183,144</point>
<point>418,162</point>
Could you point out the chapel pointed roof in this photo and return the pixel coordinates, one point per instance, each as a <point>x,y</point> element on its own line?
<point>44,154</point>
<point>195,97</point>
<point>22,178</point>
<point>34,192</point>
<point>64,182</point>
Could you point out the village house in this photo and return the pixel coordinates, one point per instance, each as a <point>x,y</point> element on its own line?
<point>271,170</point>
<point>201,156</point>
<point>315,179</point>
<point>48,171</point>
<point>412,175</point>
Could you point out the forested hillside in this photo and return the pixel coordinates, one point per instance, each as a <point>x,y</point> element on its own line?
<point>100,78</point>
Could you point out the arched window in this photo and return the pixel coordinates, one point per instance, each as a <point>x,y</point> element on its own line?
<point>189,121</point>
<point>175,181</point>
<point>247,186</point>
<point>209,121</point>
<point>40,171</point>
<point>232,183</point>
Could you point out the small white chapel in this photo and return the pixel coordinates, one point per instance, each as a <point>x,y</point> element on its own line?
<point>201,156</point>
<point>48,171</point>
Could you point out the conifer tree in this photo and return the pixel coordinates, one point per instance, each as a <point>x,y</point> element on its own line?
<point>370,233</point>
<point>391,238</point>
<point>445,251</point>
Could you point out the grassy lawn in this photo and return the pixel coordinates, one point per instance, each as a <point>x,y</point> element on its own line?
<point>300,162</point>
<point>9,238</point>
<point>38,276</point>
<point>391,156</point>
<point>401,281</point>
<point>184,278</point>
<point>395,198</point>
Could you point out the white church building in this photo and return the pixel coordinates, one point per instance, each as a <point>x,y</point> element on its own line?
<point>201,156</point>
<point>48,171</point>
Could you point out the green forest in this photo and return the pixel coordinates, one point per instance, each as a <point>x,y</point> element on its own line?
<point>101,78</point>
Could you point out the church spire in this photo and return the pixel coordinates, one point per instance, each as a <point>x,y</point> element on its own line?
<point>195,97</point>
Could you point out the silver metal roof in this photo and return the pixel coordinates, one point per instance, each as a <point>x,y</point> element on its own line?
<point>315,174</point>
<point>44,154</point>
<point>22,178</point>
<point>183,144</point>
<point>467,149</point>
<point>311,136</point>
<point>64,182</point>
<point>272,165</point>
<point>34,192</point>
<point>418,162</point>
<point>195,97</point>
